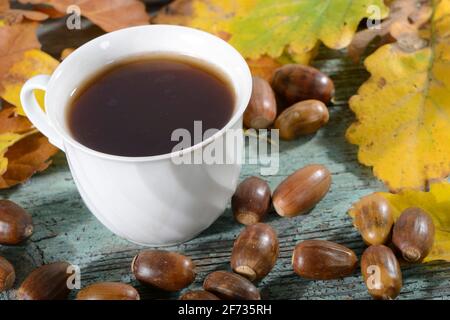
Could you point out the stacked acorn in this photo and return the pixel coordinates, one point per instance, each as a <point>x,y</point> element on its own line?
<point>304,89</point>
<point>411,236</point>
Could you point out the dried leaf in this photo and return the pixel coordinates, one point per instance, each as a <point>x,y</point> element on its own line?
<point>10,16</point>
<point>110,15</point>
<point>11,123</point>
<point>32,63</point>
<point>6,141</point>
<point>403,110</point>
<point>436,202</point>
<point>4,5</point>
<point>12,129</point>
<point>51,12</point>
<point>15,40</point>
<point>15,16</point>
<point>403,23</point>
<point>28,156</point>
<point>263,67</point>
<point>23,150</point>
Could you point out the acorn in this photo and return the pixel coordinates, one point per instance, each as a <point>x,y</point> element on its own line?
<point>413,234</point>
<point>251,201</point>
<point>255,251</point>
<point>262,107</point>
<point>296,82</point>
<point>168,271</point>
<point>303,118</point>
<point>7,275</point>
<point>16,223</point>
<point>108,291</point>
<point>198,295</point>
<point>230,286</point>
<point>302,190</point>
<point>48,282</point>
<point>323,260</point>
<point>381,272</point>
<point>373,218</point>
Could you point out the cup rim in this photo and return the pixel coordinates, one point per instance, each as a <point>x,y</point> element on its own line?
<point>240,109</point>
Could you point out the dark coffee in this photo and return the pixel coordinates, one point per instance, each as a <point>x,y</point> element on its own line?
<point>132,107</point>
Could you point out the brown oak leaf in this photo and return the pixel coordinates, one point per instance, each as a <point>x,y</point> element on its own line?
<point>4,5</point>
<point>110,15</point>
<point>30,155</point>
<point>23,150</point>
<point>403,24</point>
<point>15,40</point>
<point>10,122</point>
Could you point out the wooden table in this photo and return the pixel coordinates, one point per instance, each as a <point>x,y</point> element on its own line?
<point>66,230</point>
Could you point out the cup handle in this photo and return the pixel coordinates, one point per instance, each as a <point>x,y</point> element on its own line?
<point>34,112</point>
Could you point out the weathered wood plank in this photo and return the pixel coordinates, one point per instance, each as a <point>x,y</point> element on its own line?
<point>65,229</point>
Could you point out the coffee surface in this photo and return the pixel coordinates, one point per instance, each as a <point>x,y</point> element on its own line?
<point>131,108</point>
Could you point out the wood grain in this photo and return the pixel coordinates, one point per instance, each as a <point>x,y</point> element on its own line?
<point>66,230</point>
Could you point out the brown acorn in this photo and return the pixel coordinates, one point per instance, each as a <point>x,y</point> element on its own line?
<point>296,82</point>
<point>304,117</point>
<point>230,286</point>
<point>381,272</point>
<point>413,234</point>
<point>301,191</point>
<point>7,275</point>
<point>262,108</point>
<point>373,218</point>
<point>169,271</point>
<point>251,201</point>
<point>108,291</point>
<point>198,295</point>
<point>323,260</point>
<point>255,251</point>
<point>17,224</point>
<point>48,282</point>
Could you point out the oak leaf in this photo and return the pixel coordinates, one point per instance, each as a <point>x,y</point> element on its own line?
<point>23,150</point>
<point>272,27</point>
<point>403,110</point>
<point>110,15</point>
<point>403,24</point>
<point>32,63</point>
<point>436,203</point>
<point>271,31</point>
<point>4,6</point>
<point>28,156</point>
<point>15,40</point>
<point>215,17</point>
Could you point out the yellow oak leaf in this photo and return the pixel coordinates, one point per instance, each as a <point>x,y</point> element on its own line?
<point>6,141</point>
<point>13,128</point>
<point>272,27</point>
<point>220,17</point>
<point>403,110</point>
<point>32,63</point>
<point>436,203</point>
<point>23,150</point>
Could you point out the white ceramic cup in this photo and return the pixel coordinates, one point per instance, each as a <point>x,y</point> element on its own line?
<point>148,200</point>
